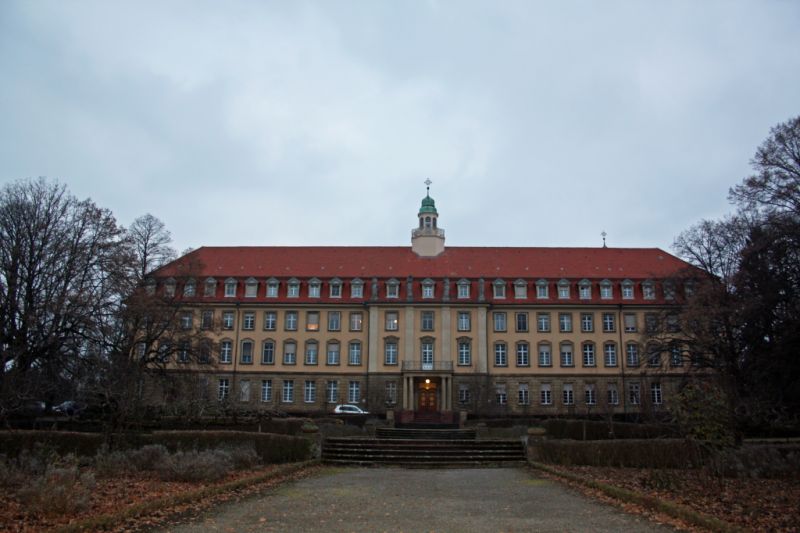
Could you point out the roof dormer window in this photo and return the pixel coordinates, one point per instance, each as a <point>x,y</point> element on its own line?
<point>314,287</point>
<point>520,289</point>
<point>250,288</point>
<point>210,287</point>
<point>189,288</point>
<point>272,287</point>
<point>356,288</point>
<point>563,289</point>
<point>627,290</point>
<point>392,288</point>
<point>169,287</point>
<point>150,286</point>
<point>606,290</point>
<point>649,290</point>
<point>230,288</point>
<point>335,288</point>
<point>293,288</point>
<point>499,288</point>
<point>585,289</point>
<point>428,288</point>
<point>542,289</point>
<point>463,288</point>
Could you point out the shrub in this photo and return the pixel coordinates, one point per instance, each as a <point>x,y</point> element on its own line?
<point>242,456</point>
<point>59,490</point>
<point>560,428</point>
<point>112,464</point>
<point>650,453</point>
<point>147,457</point>
<point>195,466</point>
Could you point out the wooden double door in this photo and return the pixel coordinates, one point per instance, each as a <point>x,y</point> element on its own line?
<point>426,400</point>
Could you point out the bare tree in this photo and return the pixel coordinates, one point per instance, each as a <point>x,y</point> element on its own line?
<point>151,243</point>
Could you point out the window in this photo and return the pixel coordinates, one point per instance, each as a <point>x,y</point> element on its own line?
<point>356,321</point>
<point>290,321</point>
<point>464,353</point>
<point>567,394</point>
<point>650,322</point>
<point>392,288</point>
<point>463,393</point>
<point>653,356</point>
<point>207,319</point>
<point>563,289</point>
<point>230,288</point>
<point>545,355</point>
<point>673,325</point>
<point>289,353</point>
<point>335,288</point>
<point>632,354</point>
<point>520,289</point>
<point>587,322</point>
<point>523,395</point>
<point>627,290</point>
<point>426,350</point>
<point>612,394</point>
<point>391,392</point>
<point>204,352</point>
<point>464,321</point>
<point>500,394</point>
<point>610,354</point>
<point>522,321</point>
<point>499,319</point>
<point>225,351</point>
<point>310,391</point>
<point>268,352</point>
<point>249,321</point>
<point>312,351</point>
<point>334,320</point>
<point>270,320</point>
<point>189,288</point>
<point>585,289</point>
<point>688,288</point>
<point>655,393</point>
<point>427,321</point>
<point>630,322</point>
<point>523,354</point>
<point>354,392</point>
<point>566,354</point>
<point>499,289</point>
<point>227,320</point>
<point>565,322</point>
<point>356,289</point>
<point>312,321</point>
<point>314,288</point>
<point>354,353</point>
<point>463,289</point>
<point>606,290</point>
<point>224,389</point>
<point>272,288</point>
<point>184,349</point>
<point>609,324</point>
<point>164,350</point>
<point>332,391</point>
<point>649,290</point>
<point>288,391</point>
<point>141,349</point>
<point>588,354</point>
<point>247,352</point>
<point>186,320</point>
<point>542,291</point>
<point>543,322</point>
<point>428,288</point>
<point>390,352</point>
<point>250,288</point>
<point>590,394</point>
<point>545,394</point>
<point>210,287</point>
<point>669,290</point>
<point>244,390</point>
<point>266,390</point>
<point>333,353</point>
<point>293,288</point>
<point>500,354</point>
<point>392,321</point>
<point>634,397</point>
<point>675,355</point>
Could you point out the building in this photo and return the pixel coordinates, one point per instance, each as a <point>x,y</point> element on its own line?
<point>432,329</point>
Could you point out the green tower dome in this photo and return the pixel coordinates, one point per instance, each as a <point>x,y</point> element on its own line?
<point>428,206</point>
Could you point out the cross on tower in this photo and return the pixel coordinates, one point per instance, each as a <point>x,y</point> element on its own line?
<point>604,238</point>
<point>428,186</point>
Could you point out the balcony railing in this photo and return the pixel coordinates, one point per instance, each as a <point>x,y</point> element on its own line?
<point>435,366</point>
<point>435,232</point>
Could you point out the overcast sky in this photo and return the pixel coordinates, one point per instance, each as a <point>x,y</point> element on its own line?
<point>316,123</point>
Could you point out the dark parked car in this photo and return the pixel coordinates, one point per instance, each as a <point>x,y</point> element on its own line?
<point>69,408</point>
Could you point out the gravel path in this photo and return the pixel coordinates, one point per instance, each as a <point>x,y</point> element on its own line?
<point>394,499</point>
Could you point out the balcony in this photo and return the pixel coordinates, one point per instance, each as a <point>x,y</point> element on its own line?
<point>420,366</point>
<point>424,232</point>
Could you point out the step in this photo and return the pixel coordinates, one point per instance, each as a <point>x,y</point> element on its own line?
<point>425,434</point>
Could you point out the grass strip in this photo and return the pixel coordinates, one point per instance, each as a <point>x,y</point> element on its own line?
<point>107,521</point>
<point>672,509</point>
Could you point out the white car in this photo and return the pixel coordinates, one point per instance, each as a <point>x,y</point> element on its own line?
<point>348,409</point>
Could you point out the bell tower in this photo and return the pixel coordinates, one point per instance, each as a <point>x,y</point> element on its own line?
<point>427,240</point>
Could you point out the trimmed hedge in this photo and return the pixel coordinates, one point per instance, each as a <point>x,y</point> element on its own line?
<point>62,442</point>
<point>632,453</point>
<point>561,428</point>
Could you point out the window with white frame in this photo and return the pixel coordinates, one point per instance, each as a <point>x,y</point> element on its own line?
<point>390,352</point>
<point>523,354</point>
<point>426,320</point>
<point>610,354</point>
<point>244,390</point>
<point>609,323</point>
<point>627,290</point>
<point>334,320</point>
<point>630,322</point>
<point>499,319</point>
<point>392,288</point>
<point>612,394</point>
<point>289,353</point>
<point>567,394</point>
<point>210,287</point>
<point>521,321</point>
<point>655,393</point>
<point>270,320</point>
<point>230,288</point>
<point>464,352</point>
<point>428,287</point>
<point>606,290</point>
<point>288,391</point>
<point>266,390</point>
<point>649,290</point>
<point>464,321</point>
<point>543,322</point>
<point>272,288</point>
<point>675,355</point>
<point>356,288</point>
<point>225,351</point>
<point>354,392</point>
<point>227,320</point>
<point>588,354</point>
<point>169,287</point>
<point>634,394</point>
<point>545,354</point>
<point>335,288</point>
<point>669,290</point>
<point>391,392</point>
<point>290,321</point>
<point>651,322</point>
<point>184,350</point>
<point>523,394</point>
<point>565,322</point>
<point>186,320</point>
<point>356,321</point>
<point>632,354</point>
<point>293,288</point>
<point>587,322</point>
<point>249,321</point>
<point>520,289</point>
<point>354,353</point>
<point>314,288</point>
<point>545,394</point>
<point>247,352</point>
<point>332,391</point>
<point>500,354</point>
<point>250,288</point>
<point>653,355</point>
<point>566,354</point>
<point>189,288</point>
<point>310,391</point>
<point>585,290</point>
<point>268,352</point>
<point>463,288</point>
<point>499,289</point>
<point>463,393</point>
<point>426,352</point>
<point>392,321</point>
<point>223,389</point>
<point>563,289</point>
<point>542,289</point>
<point>312,321</point>
<point>333,353</point>
<point>501,397</point>
<point>312,352</point>
<point>590,394</point>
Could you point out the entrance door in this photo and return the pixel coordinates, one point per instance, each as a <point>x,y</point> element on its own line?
<point>427,400</point>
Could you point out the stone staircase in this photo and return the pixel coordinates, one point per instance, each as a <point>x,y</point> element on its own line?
<point>423,449</point>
